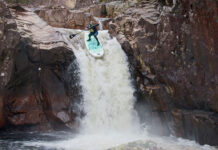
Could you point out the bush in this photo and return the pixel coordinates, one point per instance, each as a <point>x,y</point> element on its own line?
<point>18,1</point>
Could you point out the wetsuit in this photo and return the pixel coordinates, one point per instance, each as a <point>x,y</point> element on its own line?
<point>93,32</point>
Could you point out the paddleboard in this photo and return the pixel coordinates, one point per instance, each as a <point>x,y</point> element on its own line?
<point>93,49</point>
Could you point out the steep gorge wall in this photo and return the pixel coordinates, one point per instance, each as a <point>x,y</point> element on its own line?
<point>174,59</point>
<point>36,88</point>
<point>7,47</point>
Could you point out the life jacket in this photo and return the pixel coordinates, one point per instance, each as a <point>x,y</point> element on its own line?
<point>92,28</point>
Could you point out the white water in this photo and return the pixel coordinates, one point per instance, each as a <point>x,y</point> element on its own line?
<point>108,102</point>
<point>108,96</point>
<point>100,21</point>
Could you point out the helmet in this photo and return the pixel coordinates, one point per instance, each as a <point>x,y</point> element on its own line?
<point>90,25</point>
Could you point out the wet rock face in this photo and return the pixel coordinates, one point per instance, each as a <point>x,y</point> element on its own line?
<point>174,58</point>
<point>2,119</point>
<point>36,91</point>
<point>37,94</point>
<point>8,41</point>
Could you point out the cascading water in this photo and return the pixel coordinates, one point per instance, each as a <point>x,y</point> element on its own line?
<point>108,99</point>
<point>108,95</point>
<point>110,119</point>
<point>100,21</point>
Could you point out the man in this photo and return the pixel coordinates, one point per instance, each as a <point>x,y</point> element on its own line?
<point>93,32</point>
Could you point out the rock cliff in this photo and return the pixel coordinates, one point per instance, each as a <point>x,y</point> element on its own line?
<point>172,51</point>
<point>36,92</point>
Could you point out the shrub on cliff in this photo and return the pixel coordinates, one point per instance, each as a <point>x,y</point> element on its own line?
<point>18,1</point>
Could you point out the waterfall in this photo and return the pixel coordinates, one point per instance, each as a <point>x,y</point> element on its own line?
<point>110,119</point>
<point>100,21</point>
<point>108,101</point>
<point>108,94</point>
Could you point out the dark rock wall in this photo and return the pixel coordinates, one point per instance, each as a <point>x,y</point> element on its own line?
<point>36,91</point>
<point>175,65</point>
<point>8,41</point>
<point>38,95</point>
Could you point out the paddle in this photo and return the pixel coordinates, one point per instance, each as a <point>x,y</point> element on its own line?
<point>73,35</point>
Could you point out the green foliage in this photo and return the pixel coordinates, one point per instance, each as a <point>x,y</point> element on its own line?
<point>166,2</point>
<point>18,1</point>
